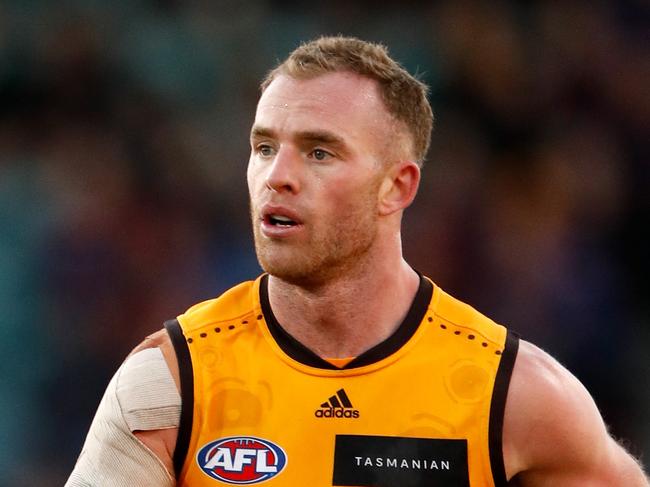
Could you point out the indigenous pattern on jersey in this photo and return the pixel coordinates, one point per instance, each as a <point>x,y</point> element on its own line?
<point>422,408</point>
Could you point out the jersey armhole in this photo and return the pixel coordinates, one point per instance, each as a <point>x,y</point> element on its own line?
<point>186,375</point>
<point>498,407</point>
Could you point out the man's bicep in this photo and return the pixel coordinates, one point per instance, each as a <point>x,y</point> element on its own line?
<point>554,433</point>
<point>624,469</point>
<point>141,397</point>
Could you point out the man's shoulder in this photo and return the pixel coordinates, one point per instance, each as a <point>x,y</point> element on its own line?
<point>240,300</point>
<point>545,401</point>
<point>236,303</point>
<point>552,427</point>
<point>453,311</point>
<point>161,340</point>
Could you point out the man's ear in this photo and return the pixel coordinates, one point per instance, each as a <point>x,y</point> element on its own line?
<point>399,187</point>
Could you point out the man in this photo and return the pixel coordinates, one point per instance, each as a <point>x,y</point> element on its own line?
<point>341,365</point>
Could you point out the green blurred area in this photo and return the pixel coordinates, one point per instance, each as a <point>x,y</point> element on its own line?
<point>123,147</point>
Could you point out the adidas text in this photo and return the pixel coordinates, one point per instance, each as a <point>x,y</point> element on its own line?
<point>336,413</point>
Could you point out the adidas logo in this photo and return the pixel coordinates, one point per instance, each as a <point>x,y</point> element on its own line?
<point>337,406</point>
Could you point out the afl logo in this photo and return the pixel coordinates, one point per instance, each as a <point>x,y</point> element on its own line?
<point>241,460</point>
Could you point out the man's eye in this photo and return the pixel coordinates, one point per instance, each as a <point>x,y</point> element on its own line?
<point>265,150</point>
<point>320,154</point>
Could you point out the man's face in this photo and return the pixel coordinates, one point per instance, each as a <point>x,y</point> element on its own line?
<point>314,174</point>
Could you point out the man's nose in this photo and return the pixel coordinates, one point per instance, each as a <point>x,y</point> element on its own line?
<point>284,173</point>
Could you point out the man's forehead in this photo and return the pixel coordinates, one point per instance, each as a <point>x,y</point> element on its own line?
<point>340,90</point>
<point>342,103</point>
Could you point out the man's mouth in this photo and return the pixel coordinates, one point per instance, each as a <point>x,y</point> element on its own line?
<point>280,221</point>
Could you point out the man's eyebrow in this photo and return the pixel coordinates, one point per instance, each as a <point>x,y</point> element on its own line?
<point>261,132</point>
<point>321,136</point>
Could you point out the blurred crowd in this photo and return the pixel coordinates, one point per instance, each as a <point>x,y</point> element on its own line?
<point>123,147</point>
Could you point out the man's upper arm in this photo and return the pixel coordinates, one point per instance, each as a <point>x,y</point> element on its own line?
<point>134,431</point>
<point>554,434</point>
<point>162,442</point>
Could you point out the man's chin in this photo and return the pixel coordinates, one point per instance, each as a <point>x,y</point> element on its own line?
<point>289,271</point>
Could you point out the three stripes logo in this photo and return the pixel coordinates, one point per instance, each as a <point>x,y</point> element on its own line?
<point>337,406</point>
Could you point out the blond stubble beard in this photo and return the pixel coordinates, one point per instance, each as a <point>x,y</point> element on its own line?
<point>342,247</point>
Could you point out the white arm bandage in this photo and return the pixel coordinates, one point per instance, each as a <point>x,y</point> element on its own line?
<point>141,396</point>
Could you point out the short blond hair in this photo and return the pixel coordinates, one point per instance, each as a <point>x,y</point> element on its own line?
<point>404,96</point>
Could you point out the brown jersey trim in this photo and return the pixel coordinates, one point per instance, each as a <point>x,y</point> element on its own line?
<point>498,408</point>
<point>404,332</point>
<point>186,374</point>
<point>390,345</point>
<point>288,343</point>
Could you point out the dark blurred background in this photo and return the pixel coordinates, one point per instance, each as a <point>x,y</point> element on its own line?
<point>123,147</point>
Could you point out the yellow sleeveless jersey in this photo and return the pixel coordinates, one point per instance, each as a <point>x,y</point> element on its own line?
<point>423,408</point>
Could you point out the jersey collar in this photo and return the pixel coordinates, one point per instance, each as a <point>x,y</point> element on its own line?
<point>387,347</point>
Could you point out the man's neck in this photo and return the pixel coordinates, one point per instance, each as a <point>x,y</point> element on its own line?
<point>349,315</point>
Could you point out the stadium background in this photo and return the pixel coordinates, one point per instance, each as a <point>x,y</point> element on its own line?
<point>123,147</point>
